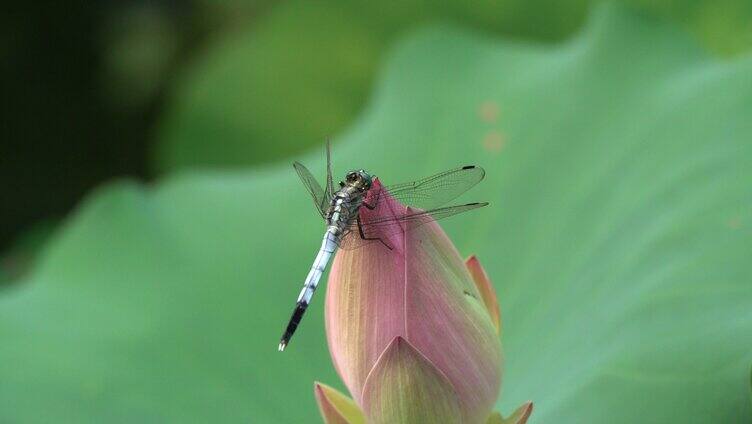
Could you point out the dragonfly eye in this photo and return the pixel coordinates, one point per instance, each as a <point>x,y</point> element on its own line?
<point>351,177</point>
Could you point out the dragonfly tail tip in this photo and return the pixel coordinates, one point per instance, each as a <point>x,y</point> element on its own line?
<point>282,346</point>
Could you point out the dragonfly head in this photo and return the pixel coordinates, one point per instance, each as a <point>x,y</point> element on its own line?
<point>359,179</point>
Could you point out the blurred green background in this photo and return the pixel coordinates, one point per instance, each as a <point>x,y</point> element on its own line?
<point>140,136</point>
<point>100,90</point>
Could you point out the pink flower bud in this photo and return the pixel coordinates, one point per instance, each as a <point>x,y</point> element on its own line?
<point>413,331</point>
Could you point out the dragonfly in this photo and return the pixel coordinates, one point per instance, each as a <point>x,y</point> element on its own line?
<point>354,217</point>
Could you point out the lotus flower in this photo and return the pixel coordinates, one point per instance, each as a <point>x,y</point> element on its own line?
<point>413,332</point>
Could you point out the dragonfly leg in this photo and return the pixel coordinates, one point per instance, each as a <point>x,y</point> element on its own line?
<point>371,206</point>
<point>363,235</point>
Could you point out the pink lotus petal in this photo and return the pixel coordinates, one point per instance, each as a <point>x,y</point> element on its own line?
<point>447,321</point>
<point>365,306</point>
<point>404,387</point>
<point>335,407</point>
<point>486,289</point>
<point>421,292</point>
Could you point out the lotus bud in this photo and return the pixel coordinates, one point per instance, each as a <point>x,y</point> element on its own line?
<point>413,331</point>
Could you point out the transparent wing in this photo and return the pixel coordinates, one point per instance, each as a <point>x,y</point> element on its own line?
<point>431,192</point>
<point>379,229</point>
<point>329,180</point>
<point>320,198</point>
<point>424,216</point>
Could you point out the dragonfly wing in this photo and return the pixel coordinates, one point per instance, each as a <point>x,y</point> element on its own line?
<point>413,217</point>
<point>329,180</point>
<point>437,190</point>
<point>384,228</point>
<point>320,198</point>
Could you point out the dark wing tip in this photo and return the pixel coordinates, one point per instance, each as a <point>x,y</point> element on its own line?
<point>482,171</point>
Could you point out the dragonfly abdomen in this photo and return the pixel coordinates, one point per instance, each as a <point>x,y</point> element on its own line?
<point>328,247</point>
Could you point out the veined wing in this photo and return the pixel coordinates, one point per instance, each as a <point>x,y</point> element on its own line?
<point>365,231</point>
<point>320,198</point>
<point>432,192</point>
<point>419,216</point>
<point>329,189</point>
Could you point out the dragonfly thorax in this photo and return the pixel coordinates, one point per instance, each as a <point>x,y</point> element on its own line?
<point>344,207</point>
